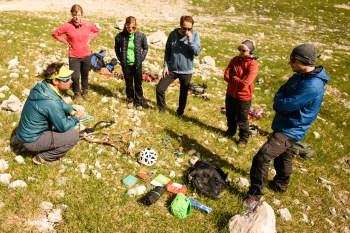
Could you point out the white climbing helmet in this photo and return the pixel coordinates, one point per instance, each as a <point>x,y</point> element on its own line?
<point>148,157</point>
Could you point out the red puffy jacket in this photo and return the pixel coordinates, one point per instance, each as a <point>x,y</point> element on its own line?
<point>78,36</point>
<point>244,71</point>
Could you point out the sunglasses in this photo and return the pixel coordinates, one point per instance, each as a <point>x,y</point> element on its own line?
<point>65,79</point>
<point>131,27</point>
<point>243,50</point>
<point>186,29</point>
<point>292,59</point>
<point>77,16</point>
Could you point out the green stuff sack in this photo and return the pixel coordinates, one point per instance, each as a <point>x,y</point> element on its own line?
<point>181,206</point>
<point>304,150</point>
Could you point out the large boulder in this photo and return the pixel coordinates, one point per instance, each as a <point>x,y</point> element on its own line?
<point>12,104</point>
<point>157,38</point>
<point>119,25</point>
<point>259,219</point>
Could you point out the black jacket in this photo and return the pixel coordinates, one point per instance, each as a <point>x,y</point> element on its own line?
<point>121,48</point>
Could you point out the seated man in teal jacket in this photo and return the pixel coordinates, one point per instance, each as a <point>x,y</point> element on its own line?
<point>297,104</point>
<point>45,127</point>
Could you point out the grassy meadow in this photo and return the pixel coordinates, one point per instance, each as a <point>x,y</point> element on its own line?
<point>99,204</point>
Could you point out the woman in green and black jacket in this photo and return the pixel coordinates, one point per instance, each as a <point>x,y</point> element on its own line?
<point>131,49</point>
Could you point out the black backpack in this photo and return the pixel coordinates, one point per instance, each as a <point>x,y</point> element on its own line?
<point>207,178</point>
<point>197,89</point>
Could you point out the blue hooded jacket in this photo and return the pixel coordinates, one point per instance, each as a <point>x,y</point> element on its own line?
<point>43,109</point>
<point>180,51</point>
<point>298,102</point>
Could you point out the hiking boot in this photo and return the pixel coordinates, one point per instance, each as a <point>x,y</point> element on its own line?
<point>130,105</point>
<point>16,142</point>
<point>86,94</point>
<point>76,97</point>
<point>38,160</point>
<point>271,185</point>
<point>241,144</point>
<point>139,107</point>
<point>229,133</point>
<point>249,203</point>
<point>162,110</point>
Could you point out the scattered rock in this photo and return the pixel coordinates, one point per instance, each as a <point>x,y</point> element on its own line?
<point>19,159</point>
<point>157,38</point>
<point>191,152</point>
<point>2,205</point>
<point>4,88</point>
<point>260,219</point>
<point>194,109</point>
<point>172,174</point>
<point>45,205</point>
<point>14,75</point>
<point>231,9</point>
<point>276,201</point>
<point>18,184</point>
<point>260,81</point>
<point>68,100</point>
<point>194,161</point>
<point>5,178</point>
<point>58,194</point>
<point>230,160</point>
<point>63,207</point>
<point>324,181</point>
<point>284,214</point>
<point>317,135</point>
<point>104,100</point>
<point>273,172</point>
<point>243,182</point>
<point>13,63</point>
<point>207,60</point>
<point>305,193</point>
<point>55,216</point>
<point>329,221</point>
<point>222,139</point>
<point>119,25</point>
<point>333,211</point>
<point>79,108</point>
<point>267,92</point>
<point>2,95</point>
<point>12,104</point>
<point>234,149</point>
<point>3,165</point>
<point>305,218</point>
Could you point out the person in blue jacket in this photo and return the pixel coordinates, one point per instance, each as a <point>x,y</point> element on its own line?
<point>297,104</point>
<point>47,121</point>
<point>182,45</point>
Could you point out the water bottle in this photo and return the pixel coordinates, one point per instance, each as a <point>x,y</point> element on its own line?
<point>137,191</point>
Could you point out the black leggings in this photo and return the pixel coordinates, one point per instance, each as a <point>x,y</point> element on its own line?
<point>80,66</point>
<point>133,77</point>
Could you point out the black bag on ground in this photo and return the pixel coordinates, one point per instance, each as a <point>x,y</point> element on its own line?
<point>303,149</point>
<point>207,178</point>
<point>153,196</point>
<point>198,89</point>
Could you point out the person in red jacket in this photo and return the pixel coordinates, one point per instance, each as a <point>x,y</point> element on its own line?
<point>240,74</point>
<point>78,33</point>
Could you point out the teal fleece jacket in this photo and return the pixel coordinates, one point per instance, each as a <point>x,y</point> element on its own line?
<point>180,52</point>
<point>43,109</point>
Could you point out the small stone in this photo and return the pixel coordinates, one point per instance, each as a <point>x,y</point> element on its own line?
<point>207,60</point>
<point>42,45</point>
<point>4,88</point>
<point>273,172</point>
<point>191,152</point>
<point>55,216</point>
<point>296,201</point>
<point>32,179</point>
<point>180,160</point>
<point>2,205</point>
<point>172,174</point>
<point>14,75</point>
<point>59,194</point>
<point>317,135</point>
<point>104,100</point>
<point>328,187</point>
<point>243,182</point>
<point>100,152</point>
<point>2,95</point>
<point>147,213</point>
<point>284,214</point>
<point>324,181</point>
<point>222,139</point>
<point>206,142</point>
<point>305,218</point>
<point>18,184</point>
<point>5,178</point>
<point>63,207</point>
<point>19,159</point>
<point>276,201</point>
<point>79,108</point>
<point>267,92</point>
<point>193,161</point>
<point>234,149</point>
<point>329,221</point>
<point>260,81</point>
<point>305,193</point>
<point>231,9</point>
<point>333,211</point>
<point>194,109</point>
<point>68,100</point>
<point>45,205</point>
<point>230,160</point>
<point>3,165</point>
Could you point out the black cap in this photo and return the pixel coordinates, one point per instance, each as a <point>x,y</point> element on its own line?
<point>306,53</point>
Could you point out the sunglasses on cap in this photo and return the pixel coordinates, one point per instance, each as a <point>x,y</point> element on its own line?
<point>65,79</point>
<point>292,59</point>
<point>186,29</point>
<point>243,50</point>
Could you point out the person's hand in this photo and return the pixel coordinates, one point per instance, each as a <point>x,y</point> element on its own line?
<point>188,34</point>
<point>80,115</point>
<point>165,72</point>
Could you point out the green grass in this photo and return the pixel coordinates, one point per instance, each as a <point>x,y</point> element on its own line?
<point>99,205</point>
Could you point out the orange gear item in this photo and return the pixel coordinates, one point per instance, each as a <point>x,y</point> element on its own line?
<point>175,188</point>
<point>104,71</point>
<point>143,176</point>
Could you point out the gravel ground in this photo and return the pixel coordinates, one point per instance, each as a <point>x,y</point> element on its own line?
<point>144,9</point>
